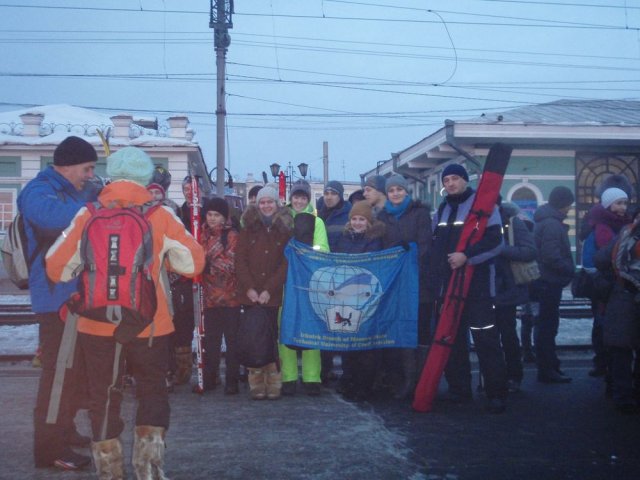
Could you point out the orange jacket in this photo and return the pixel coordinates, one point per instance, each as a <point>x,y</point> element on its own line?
<point>171,243</point>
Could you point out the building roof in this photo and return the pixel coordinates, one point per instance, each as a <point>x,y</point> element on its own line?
<point>562,124</point>
<point>60,121</point>
<point>573,112</point>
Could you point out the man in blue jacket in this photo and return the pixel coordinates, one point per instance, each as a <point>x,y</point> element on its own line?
<point>48,203</point>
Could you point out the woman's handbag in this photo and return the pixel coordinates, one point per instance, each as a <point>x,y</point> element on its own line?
<point>257,338</point>
<point>523,272</point>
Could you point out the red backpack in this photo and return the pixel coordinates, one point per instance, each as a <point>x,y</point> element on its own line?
<point>115,283</point>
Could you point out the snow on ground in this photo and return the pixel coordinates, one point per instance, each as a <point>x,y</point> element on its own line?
<point>23,339</point>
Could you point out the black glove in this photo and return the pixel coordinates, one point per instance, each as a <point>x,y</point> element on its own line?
<point>303,228</point>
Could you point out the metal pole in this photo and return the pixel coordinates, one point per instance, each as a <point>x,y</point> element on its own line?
<point>325,161</point>
<point>220,21</point>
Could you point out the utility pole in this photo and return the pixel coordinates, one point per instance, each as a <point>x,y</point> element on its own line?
<point>325,161</point>
<point>220,20</point>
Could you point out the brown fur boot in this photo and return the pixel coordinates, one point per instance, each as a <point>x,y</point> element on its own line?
<point>148,452</point>
<point>257,386</point>
<point>184,365</point>
<point>274,381</point>
<point>108,459</point>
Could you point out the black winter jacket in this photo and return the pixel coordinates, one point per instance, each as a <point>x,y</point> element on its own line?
<point>554,250</point>
<point>446,233</point>
<point>414,225</point>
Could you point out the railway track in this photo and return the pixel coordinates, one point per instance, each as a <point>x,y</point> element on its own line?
<point>21,314</point>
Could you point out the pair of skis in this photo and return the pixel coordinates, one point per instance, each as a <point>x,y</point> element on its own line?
<point>198,299</point>
<point>449,319</point>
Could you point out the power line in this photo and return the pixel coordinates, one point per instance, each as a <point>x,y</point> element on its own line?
<point>329,17</point>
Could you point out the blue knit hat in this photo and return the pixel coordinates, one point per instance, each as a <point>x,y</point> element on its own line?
<point>455,169</point>
<point>130,163</point>
<point>335,186</point>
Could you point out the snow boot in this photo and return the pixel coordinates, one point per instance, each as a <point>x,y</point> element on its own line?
<point>257,385</point>
<point>148,452</point>
<point>274,381</point>
<point>108,459</point>
<point>184,365</point>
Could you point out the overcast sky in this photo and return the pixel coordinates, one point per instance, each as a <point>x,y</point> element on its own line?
<point>370,77</point>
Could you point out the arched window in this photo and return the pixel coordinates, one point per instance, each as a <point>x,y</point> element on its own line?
<point>525,197</point>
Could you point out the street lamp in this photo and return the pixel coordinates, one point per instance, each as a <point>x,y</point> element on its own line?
<point>303,167</point>
<point>275,170</point>
<point>288,173</point>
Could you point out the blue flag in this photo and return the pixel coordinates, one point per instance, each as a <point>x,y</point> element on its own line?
<point>342,302</point>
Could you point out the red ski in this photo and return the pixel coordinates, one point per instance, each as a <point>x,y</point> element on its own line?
<point>198,300</point>
<point>451,312</point>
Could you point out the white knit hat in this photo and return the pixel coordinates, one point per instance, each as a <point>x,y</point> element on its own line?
<point>610,195</point>
<point>269,192</point>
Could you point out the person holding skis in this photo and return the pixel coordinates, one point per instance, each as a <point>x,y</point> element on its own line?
<point>146,352</point>
<point>309,229</point>
<point>219,239</point>
<point>182,298</point>
<point>478,314</point>
<point>261,268</point>
<point>556,269</point>
<point>48,203</point>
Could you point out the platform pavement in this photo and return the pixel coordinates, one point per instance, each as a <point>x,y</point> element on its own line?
<point>548,432</point>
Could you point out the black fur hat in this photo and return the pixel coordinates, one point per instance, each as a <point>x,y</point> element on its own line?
<point>615,181</point>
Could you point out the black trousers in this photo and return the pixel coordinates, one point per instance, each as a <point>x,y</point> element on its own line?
<point>183,318</point>
<point>479,317</point>
<point>147,363</point>
<point>547,323</point>
<point>219,322</point>
<point>49,439</point>
<point>506,322</point>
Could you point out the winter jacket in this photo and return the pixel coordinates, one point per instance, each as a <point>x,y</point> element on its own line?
<point>171,244</point>
<point>219,282</point>
<point>414,225</point>
<point>622,318</point>
<point>524,250</point>
<point>554,250</point>
<point>260,260</point>
<point>447,228</point>
<point>48,203</point>
<point>320,239</point>
<point>334,220</point>
<point>368,241</point>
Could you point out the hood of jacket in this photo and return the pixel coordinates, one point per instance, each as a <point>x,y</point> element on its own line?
<point>124,193</point>
<point>376,230</point>
<point>282,219</point>
<point>546,212</point>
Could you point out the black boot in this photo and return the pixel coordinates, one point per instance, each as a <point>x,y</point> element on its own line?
<point>408,386</point>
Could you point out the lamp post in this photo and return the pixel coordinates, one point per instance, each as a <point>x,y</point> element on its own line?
<point>289,173</point>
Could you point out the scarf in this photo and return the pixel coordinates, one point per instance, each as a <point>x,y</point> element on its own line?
<point>400,209</point>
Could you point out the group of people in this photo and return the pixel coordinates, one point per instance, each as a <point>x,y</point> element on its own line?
<point>242,264</point>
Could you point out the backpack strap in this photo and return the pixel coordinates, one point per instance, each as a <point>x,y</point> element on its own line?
<point>64,361</point>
